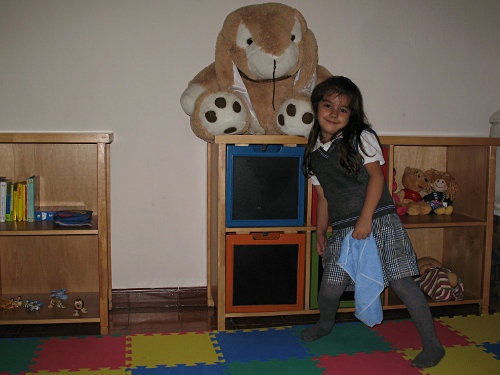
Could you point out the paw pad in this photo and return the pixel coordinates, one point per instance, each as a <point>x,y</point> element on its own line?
<point>295,117</point>
<point>223,113</point>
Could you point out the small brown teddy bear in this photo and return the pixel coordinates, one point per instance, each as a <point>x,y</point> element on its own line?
<point>414,182</point>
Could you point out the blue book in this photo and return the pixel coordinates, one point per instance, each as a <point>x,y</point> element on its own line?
<point>46,213</point>
<point>8,202</point>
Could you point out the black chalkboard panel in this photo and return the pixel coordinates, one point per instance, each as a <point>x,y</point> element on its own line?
<point>265,275</point>
<point>265,272</point>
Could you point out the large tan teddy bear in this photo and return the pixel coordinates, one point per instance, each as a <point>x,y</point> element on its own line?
<point>266,65</point>
<point>414,182</point>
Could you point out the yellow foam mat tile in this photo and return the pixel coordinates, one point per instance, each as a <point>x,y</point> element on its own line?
<point>461,360</point>
<point>484,328</point>
<point>171,349</point>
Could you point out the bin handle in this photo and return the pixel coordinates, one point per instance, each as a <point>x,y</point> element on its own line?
<point>272,236</point>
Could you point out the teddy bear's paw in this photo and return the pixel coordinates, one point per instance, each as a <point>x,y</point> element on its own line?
<point>189,97</point>
<point>425,208</point>
<point>295,117</point>
<point>223,113</point>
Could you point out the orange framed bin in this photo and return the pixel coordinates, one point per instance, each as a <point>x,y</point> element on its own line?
<point>265,272</point>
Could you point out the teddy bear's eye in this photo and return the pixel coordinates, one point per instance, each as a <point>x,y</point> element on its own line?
<point>293,37</point>
<point>249,41</point>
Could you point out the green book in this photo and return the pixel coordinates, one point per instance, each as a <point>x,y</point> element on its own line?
<point>33,194</point>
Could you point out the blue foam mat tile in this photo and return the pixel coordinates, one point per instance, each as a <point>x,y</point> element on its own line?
<point>261,344</point>
<point>493,348</point>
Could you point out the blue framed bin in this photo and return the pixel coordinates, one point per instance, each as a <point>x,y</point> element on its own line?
<point>265,186</point>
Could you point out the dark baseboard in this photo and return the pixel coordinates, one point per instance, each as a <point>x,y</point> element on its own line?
<point>159,297</point>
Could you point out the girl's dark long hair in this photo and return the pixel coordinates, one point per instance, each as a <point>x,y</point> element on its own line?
<point>350,160</point>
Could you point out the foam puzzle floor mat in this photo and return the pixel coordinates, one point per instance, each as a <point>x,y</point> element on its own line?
<point>472,347</point>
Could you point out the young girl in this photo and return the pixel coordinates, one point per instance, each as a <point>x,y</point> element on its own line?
<point>343,159</point>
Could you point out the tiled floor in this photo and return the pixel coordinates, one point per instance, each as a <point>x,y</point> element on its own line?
<point>191,318</point>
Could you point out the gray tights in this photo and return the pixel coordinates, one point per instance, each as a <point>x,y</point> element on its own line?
<point>411,295</point>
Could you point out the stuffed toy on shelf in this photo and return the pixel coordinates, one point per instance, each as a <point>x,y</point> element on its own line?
<point>266,65</point>
<point>442,188</point>
<point>439,282</point>
<point>400,209</point>
<point>414,182</point>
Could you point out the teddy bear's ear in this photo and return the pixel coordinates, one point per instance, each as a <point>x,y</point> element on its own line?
<point>309,56</point>
<point>226,43</point>
<point>223,62</point>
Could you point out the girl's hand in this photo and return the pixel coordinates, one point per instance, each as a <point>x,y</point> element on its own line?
<point>320,243</point>
<point>362,229</point>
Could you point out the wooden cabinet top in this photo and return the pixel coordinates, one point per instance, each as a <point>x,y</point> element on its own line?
<point>403,140</point>
<point>399,140</point>
<point>56,137</point>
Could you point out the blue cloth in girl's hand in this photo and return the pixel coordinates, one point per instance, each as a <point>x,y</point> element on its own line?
<point>360,259</point>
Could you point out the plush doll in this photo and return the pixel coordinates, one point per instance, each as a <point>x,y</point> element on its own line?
<point>414,182</point>
<point>438,282</point>
<point>266,65</point>
<point>400,209</point>
<point>442,187</point>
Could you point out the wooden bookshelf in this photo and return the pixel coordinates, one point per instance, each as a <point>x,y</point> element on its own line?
<point>38,257</point>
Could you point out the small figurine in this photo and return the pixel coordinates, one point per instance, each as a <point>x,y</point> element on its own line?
<point>79,307</point>
<point>7,305</point>
<point>33,305</point>
<point>11,303</point>
<point>18,303</point>
<point>60,293</point>
<point>57,302</point>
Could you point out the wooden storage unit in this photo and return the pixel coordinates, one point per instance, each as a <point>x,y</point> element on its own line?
<point>461,241</point>
<point>38,257</point>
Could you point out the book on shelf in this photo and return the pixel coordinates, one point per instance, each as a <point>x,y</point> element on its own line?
<point>46,213</point>
<point>14,202</point>
<point>3,199</point>
<point>9,204</point>
<point>32,197</point>
<point>20,201</point>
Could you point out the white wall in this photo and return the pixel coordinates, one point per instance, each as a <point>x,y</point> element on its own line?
<point>424,66</point>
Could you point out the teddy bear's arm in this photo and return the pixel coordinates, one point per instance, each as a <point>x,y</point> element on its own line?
<point>203,81</point>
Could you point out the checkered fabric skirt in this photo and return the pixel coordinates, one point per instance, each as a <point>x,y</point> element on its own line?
<point>394,248</point>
